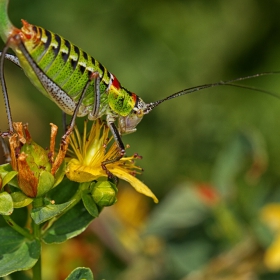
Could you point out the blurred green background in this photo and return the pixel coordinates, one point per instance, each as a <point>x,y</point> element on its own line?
<point>156,48</point>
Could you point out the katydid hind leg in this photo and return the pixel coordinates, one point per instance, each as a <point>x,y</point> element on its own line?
<point>5,149</point>
<point>66,137</point>
<point>12,58</point>
<point>75,113</point>
<point>15,60</point>
<point>4,87</point>
<point>95,110</point>
<point>64,121</point>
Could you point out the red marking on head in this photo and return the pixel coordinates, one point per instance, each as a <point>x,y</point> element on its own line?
<point>26,29</point>
<point>134,96</point>
<point>116,83</point>
<point>28,32</point>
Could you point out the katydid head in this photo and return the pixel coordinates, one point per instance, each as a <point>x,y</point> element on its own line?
<point>127,124</point>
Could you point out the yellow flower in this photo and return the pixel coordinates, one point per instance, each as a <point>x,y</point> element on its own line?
<point>87,153</point>
<point>270,215</point>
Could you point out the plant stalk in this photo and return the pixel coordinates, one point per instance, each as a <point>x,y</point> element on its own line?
<point>17,228</point>
<point>37,268</point>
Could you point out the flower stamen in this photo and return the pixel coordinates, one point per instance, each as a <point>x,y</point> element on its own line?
<point>89,152</point>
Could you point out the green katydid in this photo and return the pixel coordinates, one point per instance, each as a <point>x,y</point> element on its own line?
<point>77,82</point>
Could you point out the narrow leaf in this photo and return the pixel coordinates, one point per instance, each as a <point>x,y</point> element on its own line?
<point>8,177</point>
<point>90,205</point>
<point>80,273</point>
<point>20,199</point>
<point>42,214</point>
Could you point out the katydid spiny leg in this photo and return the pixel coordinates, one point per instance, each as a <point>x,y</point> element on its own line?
<point>66,137</point>
<point>64,121</point>
<point>110,121</point>
<point>95,110</point>
<point>4,87</point>
<point>5,149</point>
<point>12,58</point>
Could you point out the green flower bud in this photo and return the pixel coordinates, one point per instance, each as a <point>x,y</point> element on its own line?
<point>104,193</point>
<point>34,177</point>
<point>34,165</point>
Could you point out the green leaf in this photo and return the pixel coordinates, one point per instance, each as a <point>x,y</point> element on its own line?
<point>8,177</point>
<point>42,214</point>
<point>89,204</point>
<point>19,216</point>
<point>80,273</point>
<point>6,204</point>
<point>71,224</point>
<point>20,199</point>
<point>59,175</point>
<point>46,182</point>
<point>16,253</point>
<point>5,169</point>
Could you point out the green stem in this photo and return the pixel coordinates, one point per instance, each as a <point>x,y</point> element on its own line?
<point>37,268</point>
<point>18,228</point>
<point>6,26</point>
<point>37,231</point>
<point>37,202</point>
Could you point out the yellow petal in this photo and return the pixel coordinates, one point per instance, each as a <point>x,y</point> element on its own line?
<point>272,255</point>
<point>81,174</point>
<point>270,215</point>
<point>134,182</point>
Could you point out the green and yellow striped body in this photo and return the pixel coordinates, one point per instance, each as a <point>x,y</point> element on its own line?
<point>60,70</point>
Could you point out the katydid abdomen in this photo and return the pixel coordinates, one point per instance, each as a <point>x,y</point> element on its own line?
<point>69,68</point>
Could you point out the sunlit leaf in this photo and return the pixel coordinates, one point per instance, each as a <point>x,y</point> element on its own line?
<point>6,204</point>
<point>42,214</point>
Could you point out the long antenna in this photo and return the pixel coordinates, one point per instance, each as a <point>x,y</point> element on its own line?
<point>4,87</point>
<point>152,105</point>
